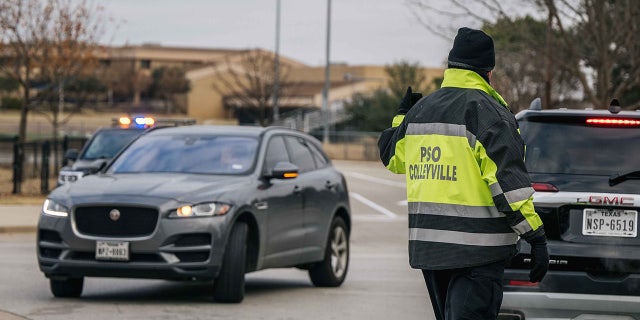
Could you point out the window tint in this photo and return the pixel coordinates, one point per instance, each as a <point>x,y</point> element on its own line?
<point>276,152</point>
<point>300,154</point>
<point>106,144</point>
<point>318,156</point>
<point>188,154</point>
<point>579,149</point>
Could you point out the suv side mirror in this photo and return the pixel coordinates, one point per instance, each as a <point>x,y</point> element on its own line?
<point>71,154</point>
<point>284,170</point>
<point>97,165</point>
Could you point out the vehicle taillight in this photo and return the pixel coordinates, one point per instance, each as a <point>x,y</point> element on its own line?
<point>614,122</point>
<point>522,283</point>
<point>544,187</point>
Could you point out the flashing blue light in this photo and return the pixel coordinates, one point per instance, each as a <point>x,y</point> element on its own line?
<point>143,122</point>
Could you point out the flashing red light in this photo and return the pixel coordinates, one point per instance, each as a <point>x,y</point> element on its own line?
<point>544,187</point>
<point>522,283</point>
<point>614,122</point>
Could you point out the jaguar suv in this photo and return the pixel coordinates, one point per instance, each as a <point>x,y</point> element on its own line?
<point>203,203</point>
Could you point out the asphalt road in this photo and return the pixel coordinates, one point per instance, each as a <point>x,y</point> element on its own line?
<point>379,285</point>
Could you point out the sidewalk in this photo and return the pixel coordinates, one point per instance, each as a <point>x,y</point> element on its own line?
<point>19,218</point>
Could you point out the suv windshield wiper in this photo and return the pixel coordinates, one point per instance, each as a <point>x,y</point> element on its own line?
<point>616,179</point>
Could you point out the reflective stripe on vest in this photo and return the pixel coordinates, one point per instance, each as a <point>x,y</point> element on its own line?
<point>463,238</point>
<point>445,129</point>
<point>454,210</point>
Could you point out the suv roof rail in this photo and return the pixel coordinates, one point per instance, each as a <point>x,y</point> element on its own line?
<point>536,104</point>
<point>614,106</point>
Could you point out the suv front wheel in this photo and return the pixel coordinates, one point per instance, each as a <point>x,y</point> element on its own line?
<point>67,288</point>
<point>229,285</point>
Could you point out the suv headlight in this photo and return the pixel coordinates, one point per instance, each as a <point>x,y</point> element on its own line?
<point>53,208</point>
<point>201,210</point>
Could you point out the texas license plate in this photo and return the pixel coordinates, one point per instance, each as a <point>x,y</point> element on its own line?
<point>112,250</point>
<point>610,222</point>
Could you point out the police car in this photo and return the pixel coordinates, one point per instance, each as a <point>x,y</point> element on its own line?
<point>105,143</point>
<point>585,171</point>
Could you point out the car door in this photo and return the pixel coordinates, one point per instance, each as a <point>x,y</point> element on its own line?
<point>281,203</point>
<point>318,182</point>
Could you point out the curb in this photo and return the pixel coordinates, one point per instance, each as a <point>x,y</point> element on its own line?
<point>18,229</point>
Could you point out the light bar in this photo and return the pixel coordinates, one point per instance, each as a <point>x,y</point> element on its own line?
<point>614,122</point>
<point>124,121</point>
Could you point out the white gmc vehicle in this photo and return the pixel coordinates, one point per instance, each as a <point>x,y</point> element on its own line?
<point>585,169</point>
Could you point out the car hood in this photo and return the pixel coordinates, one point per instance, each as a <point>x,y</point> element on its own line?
<point>180,187</point>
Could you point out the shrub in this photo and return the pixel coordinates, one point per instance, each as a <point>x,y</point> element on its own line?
<point>10,103</point>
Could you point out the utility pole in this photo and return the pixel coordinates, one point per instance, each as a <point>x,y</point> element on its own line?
<point>327,74</point>
<point>276,80</point>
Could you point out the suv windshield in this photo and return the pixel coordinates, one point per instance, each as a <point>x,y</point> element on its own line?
<point>106,144</point>
<point>557,146</point>
<point>188,154</point>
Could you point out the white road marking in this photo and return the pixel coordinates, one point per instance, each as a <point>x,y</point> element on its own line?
<point>373,205</point>
<point>376,180</point>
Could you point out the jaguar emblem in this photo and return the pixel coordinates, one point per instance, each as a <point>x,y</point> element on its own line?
<point>114,214</point>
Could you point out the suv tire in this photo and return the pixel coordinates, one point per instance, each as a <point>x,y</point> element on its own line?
<point>67,288</point>
<point>229,285</point>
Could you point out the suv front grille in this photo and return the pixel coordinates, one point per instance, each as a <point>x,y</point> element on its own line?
<point>115,221</point>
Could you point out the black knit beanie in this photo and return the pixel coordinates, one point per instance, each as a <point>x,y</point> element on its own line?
<point>473,50</point>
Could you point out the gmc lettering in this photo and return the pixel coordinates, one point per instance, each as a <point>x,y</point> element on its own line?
<point>615,200</point>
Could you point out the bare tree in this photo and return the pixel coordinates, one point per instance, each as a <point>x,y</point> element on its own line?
<point>591,42</point>
<point>247,84</point>
<point>20,46</point>
<point>69,55</point>
<point>52,41</point>
<point>603,43</point>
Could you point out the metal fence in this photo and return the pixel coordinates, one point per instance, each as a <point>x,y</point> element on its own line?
<point>37,159</point>
<point>351,145</point>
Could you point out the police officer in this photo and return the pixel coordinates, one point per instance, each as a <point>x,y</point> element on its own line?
<point>469,193</point>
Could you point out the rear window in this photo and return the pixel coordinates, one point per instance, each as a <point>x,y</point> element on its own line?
<point>575,147</point>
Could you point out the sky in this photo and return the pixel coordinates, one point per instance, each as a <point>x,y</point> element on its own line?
<point>363,32</point>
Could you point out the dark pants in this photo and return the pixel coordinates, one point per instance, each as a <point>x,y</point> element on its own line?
<point>473,293</point>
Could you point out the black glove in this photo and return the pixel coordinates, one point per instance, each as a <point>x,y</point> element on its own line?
<point>539,256</point>
<point>408,101</point>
